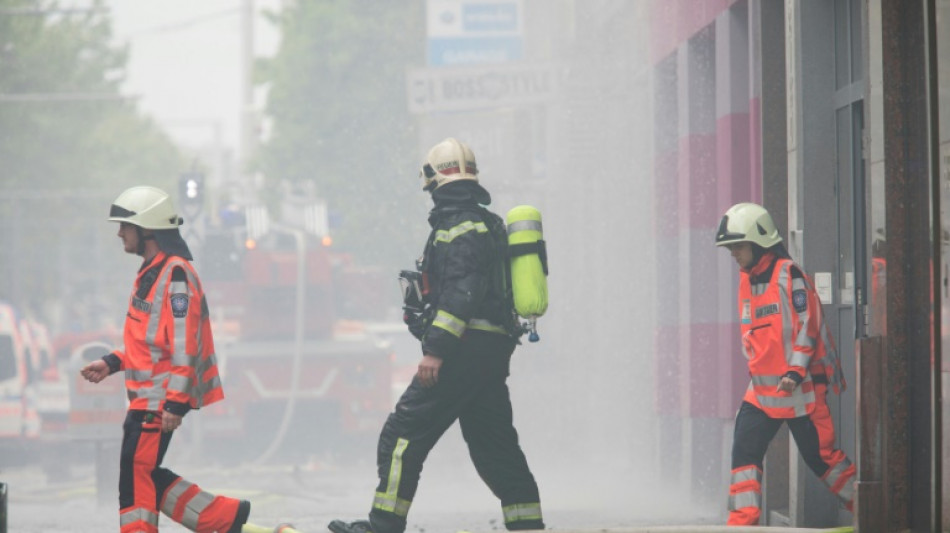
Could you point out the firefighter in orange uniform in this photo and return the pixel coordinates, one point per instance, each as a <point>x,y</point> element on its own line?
<point>792,360</point>
<point>170,368</point>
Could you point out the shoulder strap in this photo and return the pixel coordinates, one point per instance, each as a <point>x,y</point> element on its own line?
<point>148,279</point>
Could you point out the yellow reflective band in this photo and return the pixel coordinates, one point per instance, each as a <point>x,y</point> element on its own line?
<point>465,227</point>
<point>389,501</point>
<point>521,511</point>
<point>397,506</point>
<point>449,323</point>
<point>484,325</point>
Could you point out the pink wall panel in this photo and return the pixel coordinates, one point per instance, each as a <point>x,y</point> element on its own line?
<point>665,200</point>
<point>697,179</point>
<point>675,21</point>
<point>716,371</point>
<point>755,148</point>
<point>699,369</point>
<point>733,159</point>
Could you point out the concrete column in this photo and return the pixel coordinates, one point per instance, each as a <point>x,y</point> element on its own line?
<point>911,469</point>
<point>737,180</point>
<point>666,255</point>
<point>812,198</point>
<point>767,109</point>
<point>769,167</point>
<point>698,216</point>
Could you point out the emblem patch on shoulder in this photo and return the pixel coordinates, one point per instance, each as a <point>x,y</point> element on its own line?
<point>179,305</point>
<point>800,300</point>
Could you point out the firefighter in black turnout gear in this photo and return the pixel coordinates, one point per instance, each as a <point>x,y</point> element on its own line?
<point>468,331</point>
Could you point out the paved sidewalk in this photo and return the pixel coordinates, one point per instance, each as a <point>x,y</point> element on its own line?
<point>699,529</point>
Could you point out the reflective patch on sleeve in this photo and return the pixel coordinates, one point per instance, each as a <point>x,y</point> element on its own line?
<point>179,304</point>
<point>800,300</point>
<point>746,315</point>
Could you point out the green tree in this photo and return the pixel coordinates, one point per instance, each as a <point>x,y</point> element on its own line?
<point>337,98</point>
<point>69,142</point>
<point>63,122</point>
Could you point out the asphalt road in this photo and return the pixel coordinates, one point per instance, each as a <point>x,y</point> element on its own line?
<point>309,494</point>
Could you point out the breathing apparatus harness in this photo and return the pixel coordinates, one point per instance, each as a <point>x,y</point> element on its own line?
<point>418,310</point>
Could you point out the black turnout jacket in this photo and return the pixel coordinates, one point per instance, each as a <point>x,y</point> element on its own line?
<point>466,266</point>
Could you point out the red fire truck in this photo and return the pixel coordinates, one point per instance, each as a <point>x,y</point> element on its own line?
<point>324,388</point>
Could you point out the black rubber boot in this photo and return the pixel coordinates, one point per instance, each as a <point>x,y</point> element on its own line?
<point>244,511</point>
<point>525,525</point>
<point>359,526</point>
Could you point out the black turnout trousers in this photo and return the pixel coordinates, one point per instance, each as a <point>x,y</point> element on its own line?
<point>471,389</point>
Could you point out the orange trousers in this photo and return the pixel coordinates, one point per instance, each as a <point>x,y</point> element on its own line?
<point>815,436</point>
<point>145,487</point>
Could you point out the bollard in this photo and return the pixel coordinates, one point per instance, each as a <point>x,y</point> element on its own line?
<point>3,508</point>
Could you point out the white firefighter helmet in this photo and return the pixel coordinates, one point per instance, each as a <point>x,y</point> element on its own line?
<point>747,222</point>
<point>444,164</point>
<point>146,207</point>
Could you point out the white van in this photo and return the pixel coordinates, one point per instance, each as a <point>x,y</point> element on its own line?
<point>13,377</point>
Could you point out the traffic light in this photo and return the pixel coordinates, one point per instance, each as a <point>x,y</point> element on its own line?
<point>191,192</point>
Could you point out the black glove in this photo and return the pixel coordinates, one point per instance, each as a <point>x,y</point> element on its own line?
<point>794,376</point>
<point>113,361</point>
<point>415,321</point>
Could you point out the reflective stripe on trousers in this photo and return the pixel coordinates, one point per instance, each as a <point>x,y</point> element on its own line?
<point>471,391</point>
<point>840,480</point>
<point>389,501</point>
<point>745,496</point>
<point>184,502</point>
<point>522,511</point>
<point>143,483</point>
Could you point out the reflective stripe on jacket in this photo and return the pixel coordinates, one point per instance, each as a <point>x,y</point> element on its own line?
<point>783,330</point>
<point>466,265</point>
<point>169,350</point>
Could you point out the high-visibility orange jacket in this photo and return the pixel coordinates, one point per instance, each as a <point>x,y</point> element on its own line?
<point>783,330</point>
<point>169,359</point>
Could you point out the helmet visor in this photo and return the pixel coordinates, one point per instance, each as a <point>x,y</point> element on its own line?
<point>427,174</point>
<point>724,236</point>
<point>117,211</point>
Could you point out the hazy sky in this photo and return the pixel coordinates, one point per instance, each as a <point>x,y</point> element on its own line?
<point>185,62</point>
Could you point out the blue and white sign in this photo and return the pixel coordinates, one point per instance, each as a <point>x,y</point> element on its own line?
<point>467,32</point>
